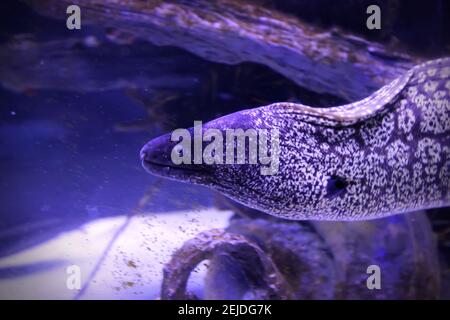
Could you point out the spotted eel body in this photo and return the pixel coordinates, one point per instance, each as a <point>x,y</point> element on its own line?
<point>383,155</point>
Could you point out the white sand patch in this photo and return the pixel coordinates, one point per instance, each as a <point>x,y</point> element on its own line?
<point>132,269</point>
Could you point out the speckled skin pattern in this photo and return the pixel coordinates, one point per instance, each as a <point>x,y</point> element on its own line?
<point>386,154</point>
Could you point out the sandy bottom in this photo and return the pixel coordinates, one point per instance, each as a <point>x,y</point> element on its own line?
<point>130,269</point>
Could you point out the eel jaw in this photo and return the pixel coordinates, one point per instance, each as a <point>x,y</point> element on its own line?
<point>155,158</point>
<point>187,173</point>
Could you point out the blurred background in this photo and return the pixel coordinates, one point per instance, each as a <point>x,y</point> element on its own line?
<point>76,106</point>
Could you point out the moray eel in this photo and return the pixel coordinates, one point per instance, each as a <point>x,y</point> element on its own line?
<point>383,155</point>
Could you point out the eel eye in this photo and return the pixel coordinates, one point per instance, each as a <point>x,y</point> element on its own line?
<point>336,185</point>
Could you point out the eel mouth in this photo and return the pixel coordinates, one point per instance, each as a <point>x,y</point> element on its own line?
<point>156,159</point>
<point>177,172</point>
<point>159,166</point>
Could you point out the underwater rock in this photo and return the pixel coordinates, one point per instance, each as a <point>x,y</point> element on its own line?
<point>232,31</point>
<point>265,281</point>
<point>315,260</point>
<point>427,35</point>
<point>403,246</point>
<point>296,249</point>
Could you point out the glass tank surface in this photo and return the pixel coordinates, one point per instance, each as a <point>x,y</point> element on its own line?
<point>224,150</point>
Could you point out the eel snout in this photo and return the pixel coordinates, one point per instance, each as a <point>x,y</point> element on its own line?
<point>156,158</point>
<point>155,154</point>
